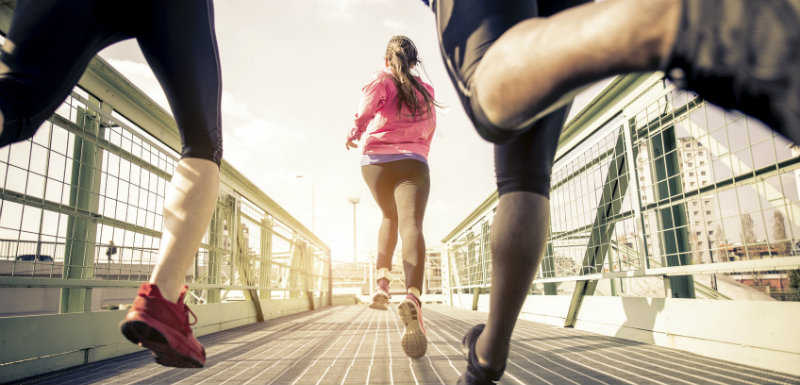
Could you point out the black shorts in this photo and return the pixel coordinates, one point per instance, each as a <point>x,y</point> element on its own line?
<point>50,43</point>
<point>467,28</point>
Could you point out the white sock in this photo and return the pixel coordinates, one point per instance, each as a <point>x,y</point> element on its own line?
<point>384,273</point>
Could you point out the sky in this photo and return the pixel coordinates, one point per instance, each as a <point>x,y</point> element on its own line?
<point>292,73</point>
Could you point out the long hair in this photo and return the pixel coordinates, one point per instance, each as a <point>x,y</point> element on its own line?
<point>401,53</point>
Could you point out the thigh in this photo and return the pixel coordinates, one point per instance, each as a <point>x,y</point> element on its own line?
<point>381,182</point>
<point>551,7</point>
<point>48,47</point>
<point>469,27</point>
<point>185,59</point>
<point>411,191</point>
<point>526,162</point>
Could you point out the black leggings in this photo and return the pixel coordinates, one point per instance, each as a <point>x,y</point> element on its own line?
<point>50,43</point>
<point>401,190</point>
<point>467,28</point>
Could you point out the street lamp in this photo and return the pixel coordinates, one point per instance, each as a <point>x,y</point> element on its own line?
<point>312,199</point>
<point>354,201</point>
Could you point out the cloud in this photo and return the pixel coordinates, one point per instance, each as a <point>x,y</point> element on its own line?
<point>342,9</point>
<point>142,76</point>
<point>260,133</point>
<point>233,107</point>
<point>394,24</point>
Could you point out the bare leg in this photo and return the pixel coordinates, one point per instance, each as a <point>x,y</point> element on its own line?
<point>519,236</point>
<point>536,63</point>
<point>188,207</point>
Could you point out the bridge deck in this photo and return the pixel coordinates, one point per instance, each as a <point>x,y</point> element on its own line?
<point>358,345</point>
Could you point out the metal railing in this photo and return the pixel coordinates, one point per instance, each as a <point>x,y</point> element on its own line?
<point>656,193</point>
<point>80,208</point>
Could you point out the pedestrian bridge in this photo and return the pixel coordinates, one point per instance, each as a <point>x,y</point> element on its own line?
<point>358,345</point>
<point>673,257</point>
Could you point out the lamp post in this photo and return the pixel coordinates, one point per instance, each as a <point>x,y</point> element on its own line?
<point>312,199</point>
<point>354,201</point>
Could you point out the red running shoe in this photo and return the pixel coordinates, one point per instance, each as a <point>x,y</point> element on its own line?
<point>414,341</point>
<point>380,297</point>
<point>164,328</point>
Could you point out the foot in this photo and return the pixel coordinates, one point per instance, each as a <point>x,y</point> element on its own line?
<point>163,327</point>
<point>476,373</point>
<point>380,296</point>
<point>742,54</point>
<point>414,341</point>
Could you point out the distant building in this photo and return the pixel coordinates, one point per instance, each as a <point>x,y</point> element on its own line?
<point>696,173</point>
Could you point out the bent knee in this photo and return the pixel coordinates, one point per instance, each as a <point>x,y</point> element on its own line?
<point>208,146</point>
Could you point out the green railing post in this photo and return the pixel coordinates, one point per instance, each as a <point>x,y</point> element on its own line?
<point>674,235</point>
<point>217,239</point>
<point>549,269</point>
<point>330,279</point>
<point>79,248</point>
<point>265,273</point>
<point>614,189</point>
<point>308,271</point>
<point>476,294</point>
<point>294,271</point>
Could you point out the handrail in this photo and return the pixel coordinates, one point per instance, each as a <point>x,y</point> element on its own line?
<point>640,106</point>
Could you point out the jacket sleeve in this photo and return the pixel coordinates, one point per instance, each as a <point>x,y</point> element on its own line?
<point>373,97</point>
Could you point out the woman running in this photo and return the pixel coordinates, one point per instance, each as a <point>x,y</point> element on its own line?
<point>398,110</point>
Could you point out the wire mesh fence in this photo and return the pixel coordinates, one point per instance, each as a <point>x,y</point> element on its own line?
<point>670,196</point>
<point>83,200</point>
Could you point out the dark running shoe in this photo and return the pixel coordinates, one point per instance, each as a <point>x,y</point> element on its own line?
<point>164,328</point>
<point>380,297</point>
<point>744,55</point>
<point>414,341</point>
<point>476,374</point>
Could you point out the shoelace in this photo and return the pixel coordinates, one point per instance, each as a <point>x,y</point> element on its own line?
<point>187,327</point>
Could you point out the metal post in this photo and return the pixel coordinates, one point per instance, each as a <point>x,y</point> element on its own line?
<point>549,269</point>
<point>628,127</point>
<point>614,189</point>
<point>266,258</point>
<point>216,230</point>
<point>81,231</point>
<point>354,201</point>
<point>330,280</point>
<point>672,219</point>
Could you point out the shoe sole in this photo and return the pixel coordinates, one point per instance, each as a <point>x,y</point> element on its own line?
<point>142,334</point>
<point>379,302</point>
<point>414,341</point>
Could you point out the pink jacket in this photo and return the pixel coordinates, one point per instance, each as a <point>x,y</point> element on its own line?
<point>388,131</point>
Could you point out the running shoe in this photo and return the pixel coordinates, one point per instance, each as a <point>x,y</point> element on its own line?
<point>164,328</point>
<point>742,54</point>
<point>414,341</point>
<point>380,297</point>
<point>476,374</point>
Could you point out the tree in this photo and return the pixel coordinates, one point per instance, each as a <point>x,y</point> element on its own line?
<point>794,283</point>
<point>722,243</point>
<point>748,234</point>
<point>781,244</point>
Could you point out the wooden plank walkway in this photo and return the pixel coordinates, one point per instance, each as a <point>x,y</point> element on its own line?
<point>358,345</point>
